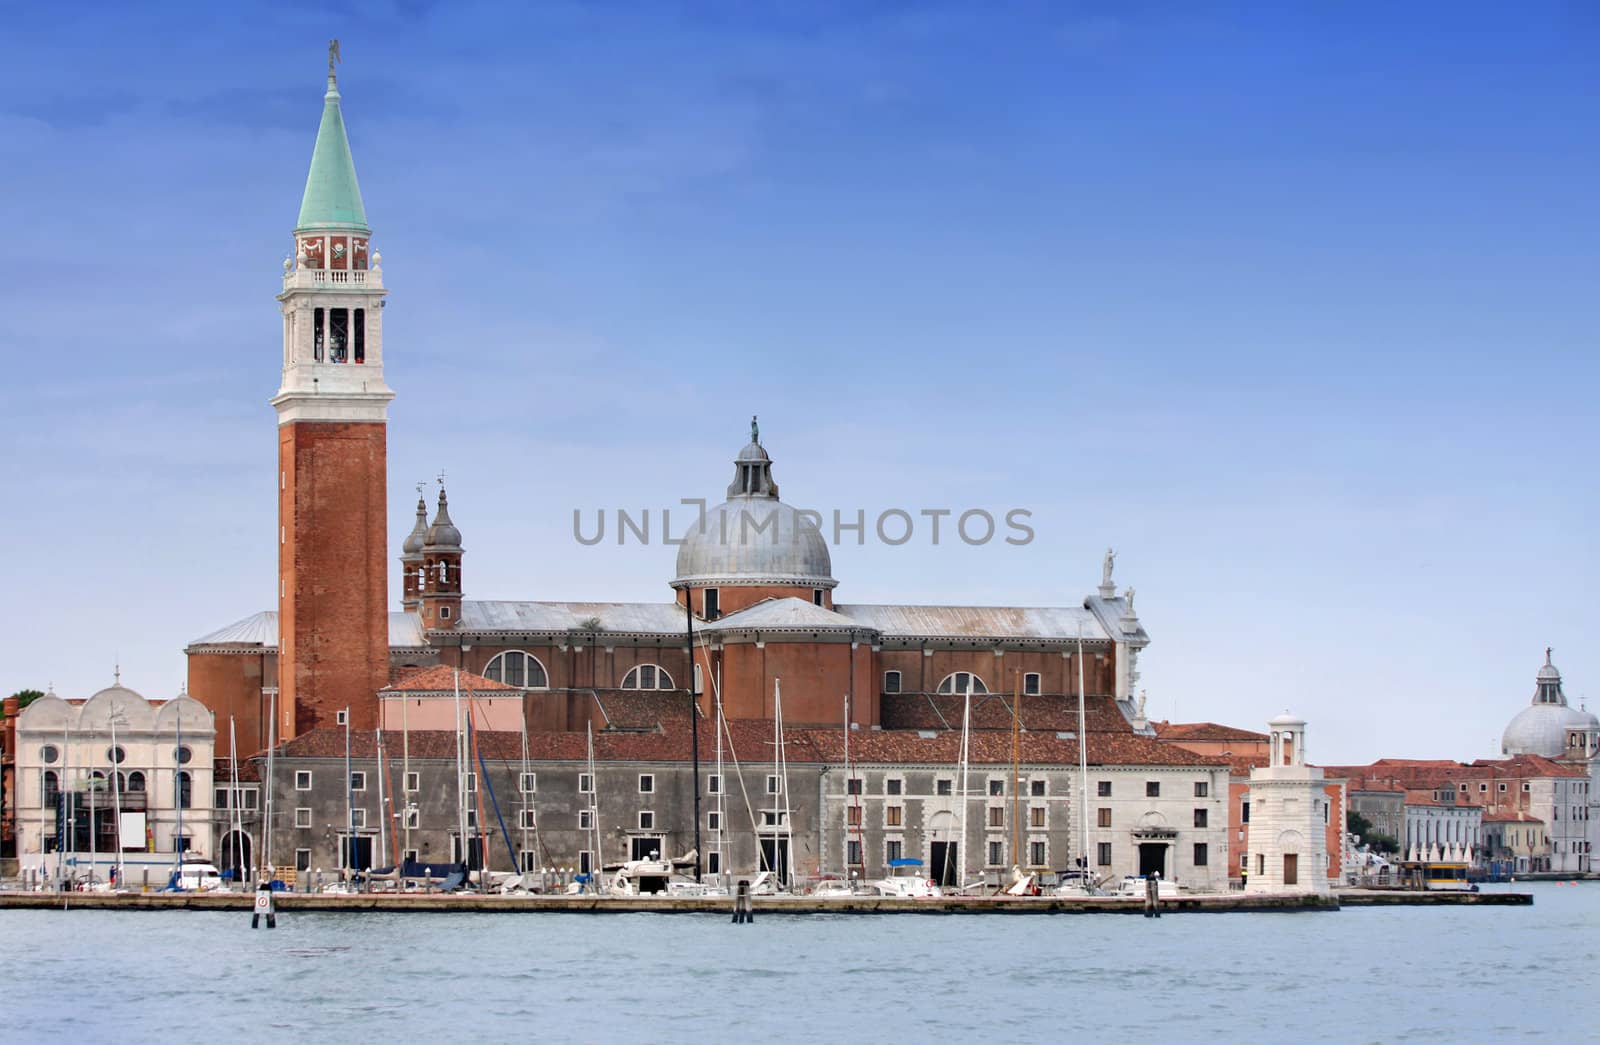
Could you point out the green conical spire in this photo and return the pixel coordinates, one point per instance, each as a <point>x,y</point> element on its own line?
<point>333,198</point>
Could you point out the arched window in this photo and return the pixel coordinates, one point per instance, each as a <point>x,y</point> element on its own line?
<point>647,676</point>
<point>957,682</point>
<point>136,781</point>
<point>516,668</point>
<point>52,787</point>
<point>185,790</point>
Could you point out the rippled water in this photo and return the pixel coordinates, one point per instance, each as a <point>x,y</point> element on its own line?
<point>1370,974</point>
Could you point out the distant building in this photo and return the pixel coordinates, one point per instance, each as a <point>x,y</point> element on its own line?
<point>1245,750</point>
<point>114,777</point>
<point>1515,842</point>
<point>1547,786</point>
<point>1434,818</point>
<point>1289,815</point>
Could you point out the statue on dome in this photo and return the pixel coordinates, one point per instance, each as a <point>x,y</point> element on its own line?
<point>1107,566</point>
<point>755,430</point>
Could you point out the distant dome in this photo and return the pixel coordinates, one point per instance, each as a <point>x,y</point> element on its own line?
<point>442,535</point>
<point>752,537</point>
<point>750,540</point>
<point>412,546</point>
<point>1542,728</point>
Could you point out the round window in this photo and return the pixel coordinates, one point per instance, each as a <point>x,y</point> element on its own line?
<point>184,755</point>
<point>49,753</point>
<point>116,755</point>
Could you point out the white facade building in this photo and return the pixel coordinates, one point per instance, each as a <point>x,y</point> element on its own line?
<point>117,781</point>
<point>1288,850</point>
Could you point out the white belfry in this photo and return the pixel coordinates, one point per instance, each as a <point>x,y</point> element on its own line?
<point>1288,842</point>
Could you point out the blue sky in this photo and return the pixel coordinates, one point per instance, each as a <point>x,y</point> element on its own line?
<point>1294,307</point>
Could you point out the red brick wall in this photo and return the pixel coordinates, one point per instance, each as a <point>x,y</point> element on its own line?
<point>229,685</point>
<point>1058,675</point>
<point>333,608</point>
<point>732,598</point>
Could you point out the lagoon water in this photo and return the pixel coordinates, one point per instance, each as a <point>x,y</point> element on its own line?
<point>1357,975</point>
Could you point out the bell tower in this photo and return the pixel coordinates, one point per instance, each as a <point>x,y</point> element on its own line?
<point>333,630</point>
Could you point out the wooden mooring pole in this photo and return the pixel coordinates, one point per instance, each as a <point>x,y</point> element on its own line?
<point>743,909</point>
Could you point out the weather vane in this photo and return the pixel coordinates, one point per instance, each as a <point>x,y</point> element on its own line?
<point>441,478</point>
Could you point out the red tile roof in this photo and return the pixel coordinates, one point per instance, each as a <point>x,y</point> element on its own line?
<point>992,711</point>
<point>441,679</point>
<point>1205,731</point>
<point>752,741</point>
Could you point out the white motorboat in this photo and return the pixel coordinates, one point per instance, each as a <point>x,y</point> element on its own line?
<point>1135,885</point>
<point>906,879</point>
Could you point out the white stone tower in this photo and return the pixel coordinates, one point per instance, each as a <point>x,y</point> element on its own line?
<point>1288,840</point>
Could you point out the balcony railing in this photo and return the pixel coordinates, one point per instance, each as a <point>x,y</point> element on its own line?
<point>331,279</point>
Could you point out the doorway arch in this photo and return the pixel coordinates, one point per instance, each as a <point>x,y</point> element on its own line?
<point>234,855</point>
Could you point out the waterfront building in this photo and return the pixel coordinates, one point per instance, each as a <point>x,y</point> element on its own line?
<point>1382,803</point>
<point>1247,750</point>
<point>526,801</point>
<point>1514,842</point>
<point>113,780</point>
<point>1549,782</point>
<point>1433,817</point>
<point>1289,816</point>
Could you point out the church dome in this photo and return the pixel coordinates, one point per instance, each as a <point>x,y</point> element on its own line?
<point>442,536</point>
<point>753,538</point>
<point>411,548</point>
<point>1541,729</point>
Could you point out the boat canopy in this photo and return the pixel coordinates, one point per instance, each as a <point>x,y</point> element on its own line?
<point>905,861</point>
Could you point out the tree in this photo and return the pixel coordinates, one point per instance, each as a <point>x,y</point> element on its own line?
<point>1362,828</point>
<point>24,698</point>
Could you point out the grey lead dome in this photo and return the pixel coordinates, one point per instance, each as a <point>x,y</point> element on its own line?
<point>752,537</point>
<point>1542,728</point>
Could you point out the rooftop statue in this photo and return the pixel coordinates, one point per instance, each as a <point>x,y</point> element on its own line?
<point>1106,567</point>
<point>755,430</point>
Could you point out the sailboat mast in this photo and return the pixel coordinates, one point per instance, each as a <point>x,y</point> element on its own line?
<point>522,785</point>
<point>722,781</point>
<point>1083,772</point>
<point>383,811</point>
<point>348,864</point>
<point>966,715</point>
<point>405,770</point>
<point>783,782</point>
<point>461,780</point>
<point>116,793</point>
<point>594,809</point>
<point>847,789</point>
<point>272,744</point>
<point>1016,767</point>
<point>235,814</point>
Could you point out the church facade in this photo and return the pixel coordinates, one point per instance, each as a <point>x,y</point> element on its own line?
<point>750,627</point>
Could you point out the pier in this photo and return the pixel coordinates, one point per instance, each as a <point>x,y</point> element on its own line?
<point>291,903</point>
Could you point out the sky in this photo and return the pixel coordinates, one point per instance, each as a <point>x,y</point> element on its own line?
<point>1293,305</point>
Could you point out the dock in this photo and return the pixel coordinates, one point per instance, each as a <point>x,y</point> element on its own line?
<point>762,905</point>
